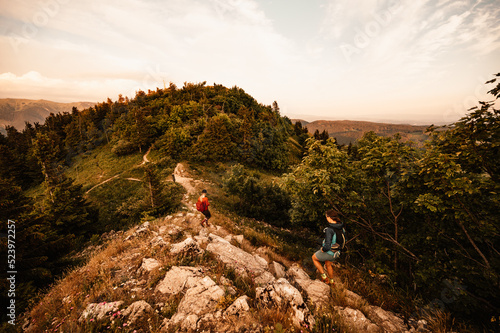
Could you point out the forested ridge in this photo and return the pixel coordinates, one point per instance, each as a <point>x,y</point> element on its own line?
<point>427,217</point>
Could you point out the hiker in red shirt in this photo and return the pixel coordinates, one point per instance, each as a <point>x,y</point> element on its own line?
<point>202,206</point>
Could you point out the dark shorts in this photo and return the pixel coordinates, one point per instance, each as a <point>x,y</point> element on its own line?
<point>324,256</point>
<point>207,214</point>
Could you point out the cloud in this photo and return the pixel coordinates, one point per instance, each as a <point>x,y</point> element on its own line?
<point>60,90</point>
<point>364,55</point>
<point>418,34</point>
<point>224,41</point>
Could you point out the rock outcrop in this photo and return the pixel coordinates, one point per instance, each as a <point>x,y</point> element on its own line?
<point>164,278</point>
<point>282,294</point>
<point>243,262</point>
<point>198,304</point>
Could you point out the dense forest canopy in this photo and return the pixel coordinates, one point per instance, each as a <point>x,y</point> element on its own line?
<point>424,216</point>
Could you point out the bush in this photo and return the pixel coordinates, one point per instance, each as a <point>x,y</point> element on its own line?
<point>123,147</point>
<point>257,199</point>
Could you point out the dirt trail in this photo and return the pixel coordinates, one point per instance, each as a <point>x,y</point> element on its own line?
<point>180,176</point>
<point>145,157</point>
<point>107,180</point>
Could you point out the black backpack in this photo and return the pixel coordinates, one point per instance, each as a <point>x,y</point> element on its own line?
<point>340,240</point>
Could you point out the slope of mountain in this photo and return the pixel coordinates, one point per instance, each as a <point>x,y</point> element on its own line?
<point>15,112</point>
<point>172,275</point>
<point>349,131</point>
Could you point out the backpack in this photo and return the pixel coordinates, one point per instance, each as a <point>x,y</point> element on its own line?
<point>340,240</point>
<point>200,206</point>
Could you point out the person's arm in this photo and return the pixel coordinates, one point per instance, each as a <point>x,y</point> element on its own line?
<point>328,240</point>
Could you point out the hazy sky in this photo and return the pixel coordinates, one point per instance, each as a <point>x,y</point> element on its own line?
<point>399,61</point>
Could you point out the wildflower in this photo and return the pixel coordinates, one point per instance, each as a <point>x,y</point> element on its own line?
<point>124,324</point>
<point>91,319</point>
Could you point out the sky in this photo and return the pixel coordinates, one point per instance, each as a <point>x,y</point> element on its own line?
<point>399,61</point>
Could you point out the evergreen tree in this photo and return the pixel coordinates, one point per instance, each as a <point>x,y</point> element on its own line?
<point>216,143</point>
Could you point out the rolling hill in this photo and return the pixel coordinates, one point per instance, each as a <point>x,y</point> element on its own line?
<point>349,131</point>
<point>15,112</point>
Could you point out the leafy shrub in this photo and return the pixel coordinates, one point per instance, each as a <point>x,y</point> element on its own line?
<point>123,147</point>
<point>256,198</point>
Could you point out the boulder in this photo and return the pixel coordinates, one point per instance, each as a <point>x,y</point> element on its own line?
<point>357,321</point>
<point>353,300</point>
<point>189,245</point>
<point>100,311</point>
<point>277,269</point>
<point>239,238</point>
<point>197,302</point>
<point>148,264</point>
<point>261,260</point>
<point>386,320</point>
<point>178,278</point>
<point>264,278</point>
<point>201,239</point>
<point>157,241</point>
<point>282,294</point>
<point>317,292</point>
<point>140,231</point>
<point>143,229</point>
<point>235,257</point>
<point>137,311</point>
<point>240,305</point>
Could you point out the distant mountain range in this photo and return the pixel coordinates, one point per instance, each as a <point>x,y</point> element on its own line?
<point>15,112</point>
<point>349,131</point>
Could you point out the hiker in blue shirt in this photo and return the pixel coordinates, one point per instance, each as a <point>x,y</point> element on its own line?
<point>332,245</point>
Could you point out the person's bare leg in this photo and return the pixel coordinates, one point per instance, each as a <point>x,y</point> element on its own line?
<point>329,269</point>
<point>318,264</point>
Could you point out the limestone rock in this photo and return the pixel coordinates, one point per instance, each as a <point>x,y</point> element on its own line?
<point>282,294</point>
<point>264,278</point>
<point>140,231</point>
<point>136,311</point>
<point>386,320</point>
<point>317,292</point>
<point>100,311</point>
<point>277,269</point>
<point>148,264</point>
<point>143,229</point>
<point>235,257</point>
<point>158,241</point>
<point>357,320</point>
<point>239,306</point>
<point>172,230</point>
<point>189,245</point>
<point>197,302</point>
<point>178,278</point>
<point>352,299</point>
<point>239,239</point>
<point>201,239</point>
<point>261,260</point>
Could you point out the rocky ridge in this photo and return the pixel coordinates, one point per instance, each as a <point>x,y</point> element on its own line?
<point>172,275</point>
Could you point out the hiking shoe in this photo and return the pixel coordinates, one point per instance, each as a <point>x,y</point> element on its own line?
<point>325,280</point>
<point>331,283</point>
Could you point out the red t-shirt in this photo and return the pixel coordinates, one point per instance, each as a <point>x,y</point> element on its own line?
<point>204,203</point>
